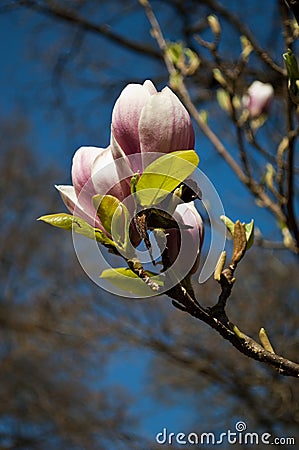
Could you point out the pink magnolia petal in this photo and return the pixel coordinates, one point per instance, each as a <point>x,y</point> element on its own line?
<point>187,214</point>
<point>126,166</point>
<point>81,168</point>
<point>259,98</point>
<point>74,205</point>
<point>149,85</point>
<point>126,114</point>
<point>81,176</point>
<point>68,196</point>
<point>111,176</point>
<point>117,151</point>
<point>165,124</point>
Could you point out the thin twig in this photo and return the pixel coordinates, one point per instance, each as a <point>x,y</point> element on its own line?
<point>238,339</point>
<point>254,187</point>
<point>216,317</point>
<point>292,135</point>
<point>244,31</point>
<point>69,16</point>
<point>294,7</point>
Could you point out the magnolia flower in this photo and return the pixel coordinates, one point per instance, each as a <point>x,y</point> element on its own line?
<point>258,99</point>
<point>186,243</point>
<point>143,120</point>
<point>78,197</point>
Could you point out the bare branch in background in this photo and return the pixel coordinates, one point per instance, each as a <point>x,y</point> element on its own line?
<point>60,335</point>
<point>294,6</point>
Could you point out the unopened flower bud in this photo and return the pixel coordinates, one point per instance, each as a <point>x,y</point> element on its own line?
<point>258,98</point>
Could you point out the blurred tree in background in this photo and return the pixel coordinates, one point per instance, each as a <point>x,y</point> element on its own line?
<point>70,353</point>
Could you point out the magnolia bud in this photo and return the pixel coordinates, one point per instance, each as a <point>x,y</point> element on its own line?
<point>258,99</point>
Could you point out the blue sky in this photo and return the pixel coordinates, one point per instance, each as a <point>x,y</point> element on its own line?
<point>26,88</point>
<point>27,85</point>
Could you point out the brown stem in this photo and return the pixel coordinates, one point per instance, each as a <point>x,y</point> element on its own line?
<point>244,31</point>
<point>294,7</point>
<point>230,332</point>
<point>291,132</point>
<point>216,317</point>
<point>253,186</point>
<point>69,16</point>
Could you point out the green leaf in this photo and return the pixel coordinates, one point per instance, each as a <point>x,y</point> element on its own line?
<point>293,74</point>
<point>69,222</point>
<point>105,206</point>
<point>249,231</point>
<point>214,24</point>
<point>246,47</point>
<point>269,176</point>
<point>203,115</point>
<point>163,175</point>
<point>114,217</point>
<point>229,224</point>
<point>185,59</point>
<point>288,239</point>
<point>248,227</point>
<point>121,226</point>
<point>134,181</point>
<point>175,80</point>
<point>126,280</point>
<point>60,220</point>
<point>291,65</point>
<point>224,101</point>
